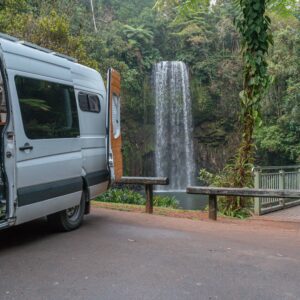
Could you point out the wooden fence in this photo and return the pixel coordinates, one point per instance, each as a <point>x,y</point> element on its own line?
<point>278,178</point>
<point>214,192</point>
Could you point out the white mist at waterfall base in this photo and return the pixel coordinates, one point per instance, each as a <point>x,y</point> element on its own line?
<point>174,149</point>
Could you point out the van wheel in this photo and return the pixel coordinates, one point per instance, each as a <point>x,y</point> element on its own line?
<point>69,219</point>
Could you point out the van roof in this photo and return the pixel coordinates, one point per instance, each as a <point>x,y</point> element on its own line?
<point>34,46</point>
<point>42,61</point>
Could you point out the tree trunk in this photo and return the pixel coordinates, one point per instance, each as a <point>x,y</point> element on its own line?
<point>93,13</point>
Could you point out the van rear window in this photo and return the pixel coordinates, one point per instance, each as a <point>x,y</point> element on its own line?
<point>83,102</point>
<point>89,102</point>
<point>48,109</point>
<point>94,103</point>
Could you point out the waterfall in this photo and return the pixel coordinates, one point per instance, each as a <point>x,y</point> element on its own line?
<point>174,153</point>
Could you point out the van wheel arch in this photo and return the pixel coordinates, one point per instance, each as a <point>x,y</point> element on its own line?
<point>69,219</point>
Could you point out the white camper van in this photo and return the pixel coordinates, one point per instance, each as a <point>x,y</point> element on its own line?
<point>60,131</point>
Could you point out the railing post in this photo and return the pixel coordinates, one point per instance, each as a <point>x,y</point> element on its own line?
<point>298,179</point>
<point>282,186</point>
<point>149,198</point>
<point>213,207</point>
<point>257,200</point>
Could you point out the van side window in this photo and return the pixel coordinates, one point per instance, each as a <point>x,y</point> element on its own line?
<point>89,102</point>
<point>48,109</point>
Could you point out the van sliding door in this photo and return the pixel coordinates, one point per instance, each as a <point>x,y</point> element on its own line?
<point>48,144</point>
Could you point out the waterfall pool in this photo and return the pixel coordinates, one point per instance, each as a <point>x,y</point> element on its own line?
<point>186,201</point>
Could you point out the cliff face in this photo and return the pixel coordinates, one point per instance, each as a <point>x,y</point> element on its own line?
<point>215,117</point>
<point>214,147</point>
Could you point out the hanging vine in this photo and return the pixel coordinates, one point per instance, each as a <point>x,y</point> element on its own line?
<point>254,27</point>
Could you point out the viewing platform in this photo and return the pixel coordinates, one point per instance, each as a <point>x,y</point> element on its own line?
<point>287,215</point>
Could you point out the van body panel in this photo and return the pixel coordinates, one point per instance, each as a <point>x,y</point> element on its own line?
<point>20,64</point>
<point>87,79</point>
<point>18,57</point>
<point>36,210</point>
<point>59,167</point>
<point>94,160</point>
<point>93,144</point>
<point>45,191</point>
<point>92,125</point>
<point>99,188</point>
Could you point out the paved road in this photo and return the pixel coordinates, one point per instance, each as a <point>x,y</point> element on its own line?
<point>120,255</point>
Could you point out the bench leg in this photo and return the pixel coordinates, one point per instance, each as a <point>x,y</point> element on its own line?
<point>213,207</point>
<point>149,198</point>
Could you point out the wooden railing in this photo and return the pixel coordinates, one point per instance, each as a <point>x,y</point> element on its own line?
<point>213,192</point>
<point>276,177</point>
<point>148,182</point>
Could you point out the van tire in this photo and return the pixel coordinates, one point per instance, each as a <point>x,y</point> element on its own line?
<point>69,219</point>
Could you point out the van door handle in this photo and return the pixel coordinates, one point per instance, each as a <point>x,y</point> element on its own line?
<point>26,147</point>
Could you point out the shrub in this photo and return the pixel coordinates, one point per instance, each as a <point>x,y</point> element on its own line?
<point>165,201</point>
<point>236,207</point>
<point>128,196</point>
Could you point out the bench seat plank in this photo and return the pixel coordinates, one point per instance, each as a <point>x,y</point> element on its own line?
<point>145,180</point>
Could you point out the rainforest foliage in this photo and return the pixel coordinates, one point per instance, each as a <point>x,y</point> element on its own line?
<point>131,36</point>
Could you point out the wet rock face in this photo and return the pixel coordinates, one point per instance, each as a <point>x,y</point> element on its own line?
<point>214,148</point>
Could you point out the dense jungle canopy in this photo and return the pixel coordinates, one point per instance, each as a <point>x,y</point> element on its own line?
<point>131,36</point>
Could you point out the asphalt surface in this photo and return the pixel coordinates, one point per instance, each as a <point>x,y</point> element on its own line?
<point>120,255</point>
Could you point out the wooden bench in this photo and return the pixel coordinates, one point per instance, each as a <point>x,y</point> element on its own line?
<point>213,192</point>
<point>148,182</point>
